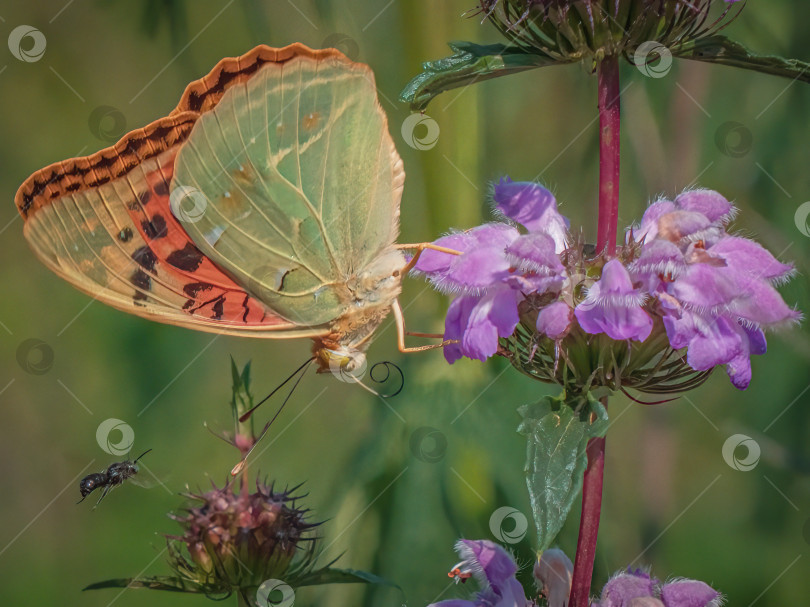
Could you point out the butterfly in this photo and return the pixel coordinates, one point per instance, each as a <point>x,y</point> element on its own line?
<point>266,204</point>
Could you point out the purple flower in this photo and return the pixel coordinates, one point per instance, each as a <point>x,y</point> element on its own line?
<point>626,586</point>
<point>638,589</point>
<point>494,570</point>
<point>555,320</point>
<point>614,307</point>
<point>496,268</point>
<point>533,206</point>
<point>715,291</point>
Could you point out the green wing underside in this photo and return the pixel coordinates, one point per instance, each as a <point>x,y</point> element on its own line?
<point>300,184</point>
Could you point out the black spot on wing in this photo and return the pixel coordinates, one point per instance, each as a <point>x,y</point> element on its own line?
<point>245,307</point>
<point>155,228</point>
<point>142,282</point>
<point>125,235</point>
<point>145,258</point>
<point>193,289</point>
<point>188,258</point>
<point>219,308</point>
<point>162,188</point>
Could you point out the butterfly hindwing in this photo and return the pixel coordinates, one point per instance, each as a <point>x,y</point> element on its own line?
<point>301,184</point>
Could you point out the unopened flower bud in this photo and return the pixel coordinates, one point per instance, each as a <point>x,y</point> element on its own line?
<point>553,573</point>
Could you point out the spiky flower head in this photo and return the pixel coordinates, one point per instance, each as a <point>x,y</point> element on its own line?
<point>235,541</point>
<point>571,30</point>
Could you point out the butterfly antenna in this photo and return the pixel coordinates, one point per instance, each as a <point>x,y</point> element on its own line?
<point>245,416</point>
<point>238,467</point>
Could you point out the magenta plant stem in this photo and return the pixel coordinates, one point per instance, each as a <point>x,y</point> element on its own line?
<point>588,523</point>
<point>609,148</point>
<point>609,167</point>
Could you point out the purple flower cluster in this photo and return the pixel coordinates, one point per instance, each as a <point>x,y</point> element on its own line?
<point>494,570</point>
<point>680,271</point>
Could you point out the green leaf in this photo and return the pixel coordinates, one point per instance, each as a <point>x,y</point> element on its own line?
<point>331,575</point>
<point>719,49</point>
<point>236,378</point>
<point>556,459</point>
<point>469,63</point>
<point>246,377</point>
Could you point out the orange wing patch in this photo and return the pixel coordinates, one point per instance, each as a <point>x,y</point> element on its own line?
<point>209,291</point>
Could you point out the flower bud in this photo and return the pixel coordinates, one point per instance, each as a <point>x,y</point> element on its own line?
<point>553,573</point>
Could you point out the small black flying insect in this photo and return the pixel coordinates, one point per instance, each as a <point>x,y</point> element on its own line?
<point>113,476</point>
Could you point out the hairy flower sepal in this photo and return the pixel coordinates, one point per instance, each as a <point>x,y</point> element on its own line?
<point>557,432</point>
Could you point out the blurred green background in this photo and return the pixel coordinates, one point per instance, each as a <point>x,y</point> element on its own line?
<point>395,496</point>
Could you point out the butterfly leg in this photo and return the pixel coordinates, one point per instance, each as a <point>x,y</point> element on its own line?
<point>421,246</point>
<point>399,319</point>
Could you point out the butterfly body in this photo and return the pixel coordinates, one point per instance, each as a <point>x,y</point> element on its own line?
<point>266,204</point>
<point>368,299</point>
